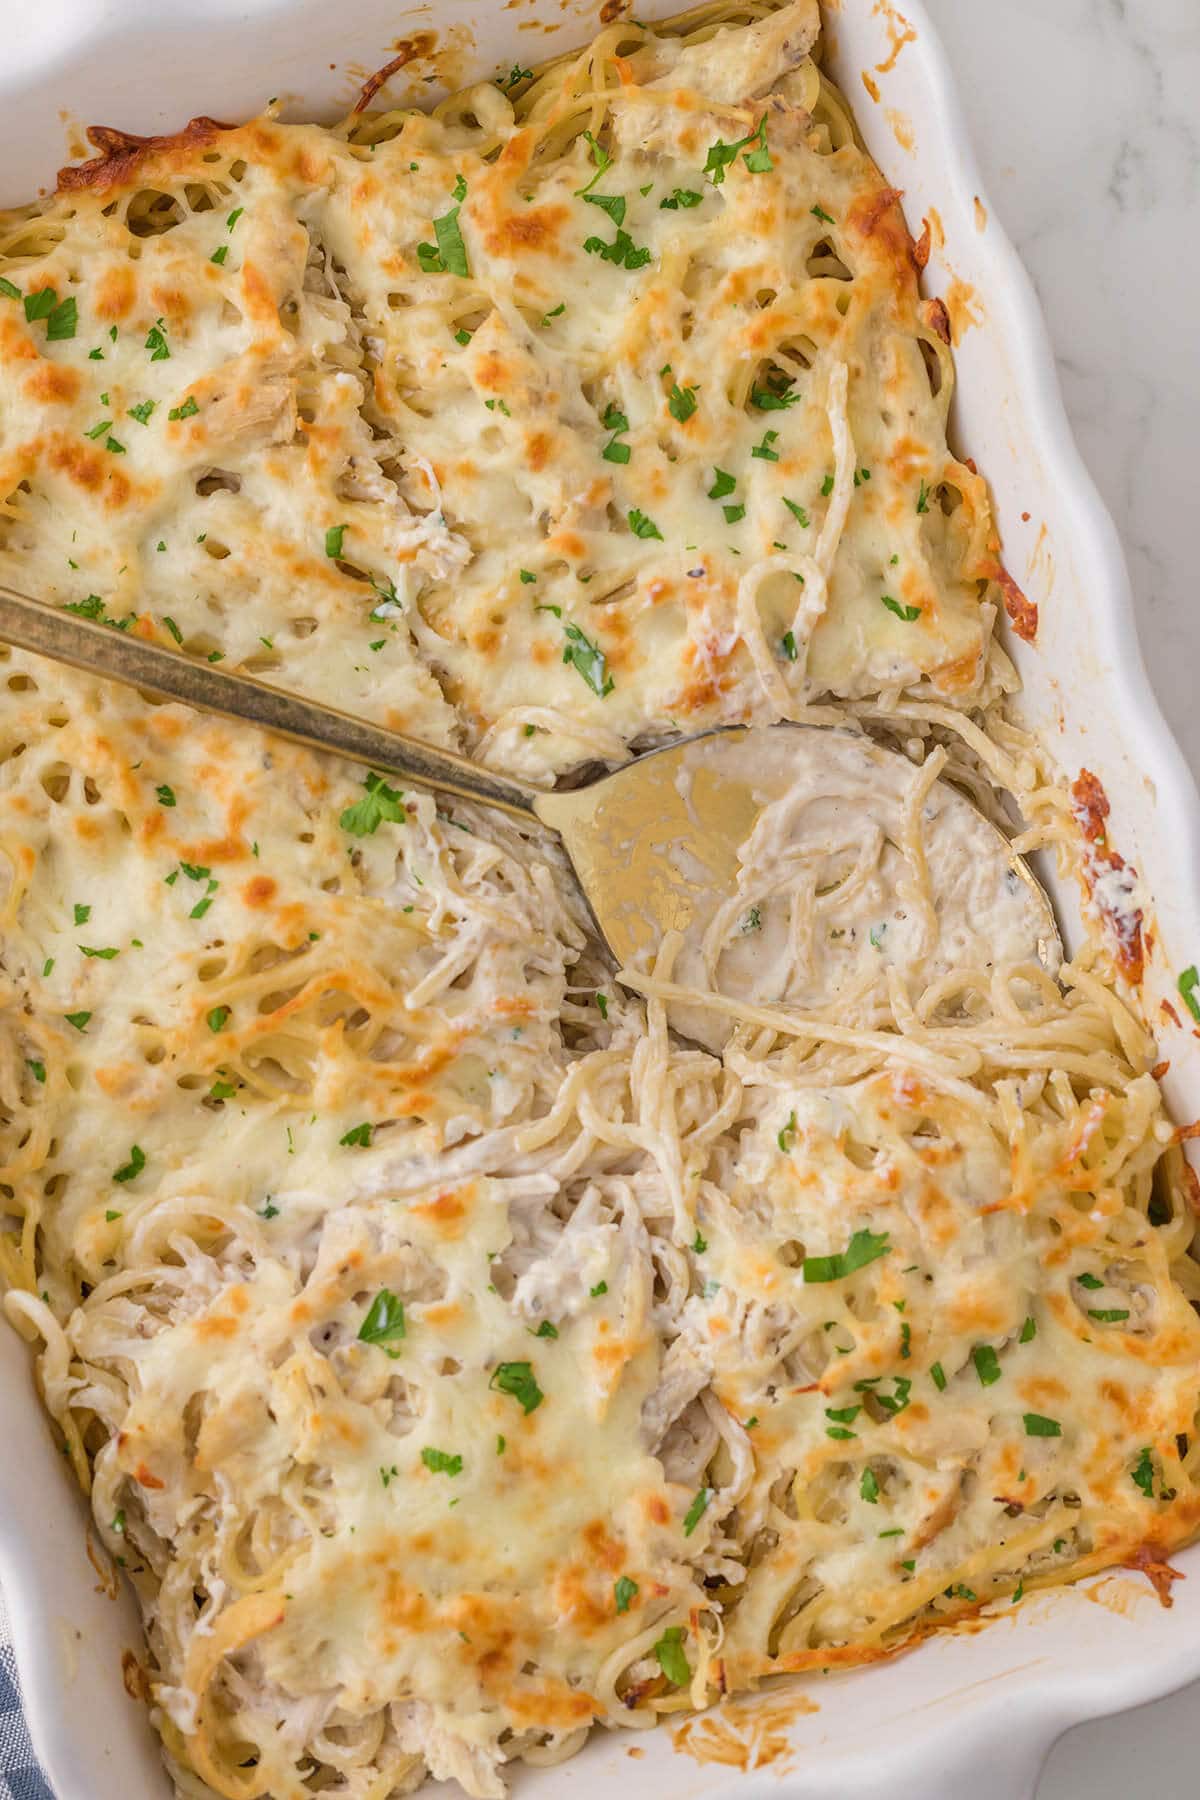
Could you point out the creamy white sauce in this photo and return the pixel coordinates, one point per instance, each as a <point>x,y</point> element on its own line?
<point>855,865</point>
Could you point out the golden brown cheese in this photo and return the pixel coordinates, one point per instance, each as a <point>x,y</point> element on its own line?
<point>397,458</point>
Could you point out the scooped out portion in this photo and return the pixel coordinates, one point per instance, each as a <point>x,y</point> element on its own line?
<point>809,864</point>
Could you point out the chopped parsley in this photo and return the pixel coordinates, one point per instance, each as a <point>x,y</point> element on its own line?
<point>132,1169</point>
<point>612,204</point>
<point>907,613</point>
<point>187,411</point>
<point>923,498</point>
<point>37,1069</point>
<point>864,1247</point>
<point>763,450</point>
<point>166,795</point>
<point>527,575</point>
<point>384,1322</point>
<point>358,1134</point>
<point>104,955</point>
<point>517,1380</point>
<point>41,304</point>
<point>601,160</point>
<point>682,402</point>
<point>1142,1473</point>
<point>1187,985</point>
<point>699,1244</point>
<point>173,628</point>
<point>82,914</point>
<point>78,1020</point>
<point>892,1403</point>
<point>601,1287</point>
<point>439,1463</point>
<point>614,420</point>
<point>554,313</point>
<point>9,289</point>
<point>1089,1281</point>
<point>1037,1425</point>
<point>622,251</point>
<point>733,513</point>
<point>218,256</point>
<point>769,400</point>
<point>868,1487</point>
<point>449,255</point>
<point>818,212</point>
<point>797,512</point>
<point>642,526</point>
<point>680,198</point>
<point>987,1364</point>
<point>545,1330</point>
<point>671,1658</point>
<point>218,1018</point>
<point>787,1138</point>
<point>334,538</point>
<point>156,343</point>
<point>788,645</point>
<point>697,1510</point>
<point>62,321</point>
<point>722,155</point>
<point>723,483</point>
<point>1109,1315</point>
<point>588,660</point>
<point>1028,1330</point>
<point>624,1592</point>
<point>379,803</point>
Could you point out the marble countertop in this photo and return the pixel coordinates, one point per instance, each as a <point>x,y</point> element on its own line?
<point>1085,119</point>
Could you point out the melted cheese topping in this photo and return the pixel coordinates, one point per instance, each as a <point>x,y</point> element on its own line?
<point>456,1358</point>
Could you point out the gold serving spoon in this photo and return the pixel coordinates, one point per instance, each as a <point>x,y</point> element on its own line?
<point>711,837</point>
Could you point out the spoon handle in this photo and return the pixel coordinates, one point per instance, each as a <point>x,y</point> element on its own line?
<point>104,650</point>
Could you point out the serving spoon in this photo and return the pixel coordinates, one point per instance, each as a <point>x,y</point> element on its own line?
<point>670,840</point>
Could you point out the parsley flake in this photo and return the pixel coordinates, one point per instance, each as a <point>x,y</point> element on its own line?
<point>379,803</point>
<point>624,1592</point>
<point>670,1656</point>
<point>588,660</point>
<point>907,613</point>
<point>517,1380</point>
<point>697,1510</point>
<point>864,1247</point>
<point>384,1322</point>
<point>132,1169</point>
<point>438,1462</point>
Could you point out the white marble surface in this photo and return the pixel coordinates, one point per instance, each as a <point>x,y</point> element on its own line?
<point>1087,125</point>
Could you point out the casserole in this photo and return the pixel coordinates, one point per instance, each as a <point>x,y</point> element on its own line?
<point>1070,749</point>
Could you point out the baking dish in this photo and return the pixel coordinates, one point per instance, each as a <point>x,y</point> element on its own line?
<point>979,1708</point>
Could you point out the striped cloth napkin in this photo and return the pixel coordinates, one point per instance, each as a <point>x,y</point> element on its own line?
<point>20,1776</point>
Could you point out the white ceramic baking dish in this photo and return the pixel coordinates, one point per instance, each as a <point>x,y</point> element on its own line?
<point>967,1714</point>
